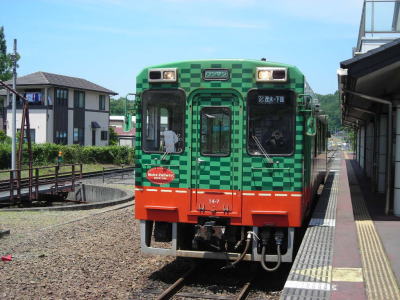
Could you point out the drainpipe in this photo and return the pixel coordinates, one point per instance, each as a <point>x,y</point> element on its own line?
<point>396,198</point>
<point>389,140</point>
<point>47,113</point>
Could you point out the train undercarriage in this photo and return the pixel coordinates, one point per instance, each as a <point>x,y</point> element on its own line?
<point>216,239</point>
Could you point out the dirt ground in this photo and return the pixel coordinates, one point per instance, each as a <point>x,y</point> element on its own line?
<point>73,255</point>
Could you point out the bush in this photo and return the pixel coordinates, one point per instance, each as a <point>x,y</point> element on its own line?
<point>4,139</point>
<point>46,154</point>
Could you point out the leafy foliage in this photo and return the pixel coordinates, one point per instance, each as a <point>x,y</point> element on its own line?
<point>117,106</point>
<point>5,59</point>
<point>4,139</point>
<point>113,140</point>
<point>330,106</point>
<point>44,154</point>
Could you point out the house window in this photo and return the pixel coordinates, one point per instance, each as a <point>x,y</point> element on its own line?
<point>79,136</point>
<point>61,137</point>
<point>34,97</point>
<point>104,135</point>
<point>79,99</point>
<point>61,97</point>
<point>102,102</point>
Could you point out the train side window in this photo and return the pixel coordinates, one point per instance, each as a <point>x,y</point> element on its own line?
<point>163,115</point>
<point>215,131</point>
<point>271,116</point>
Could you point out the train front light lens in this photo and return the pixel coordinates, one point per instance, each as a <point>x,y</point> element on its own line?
<point>264,75</point>
<point>163,75</point>
<point>169,75</point>
<point>271,74</point>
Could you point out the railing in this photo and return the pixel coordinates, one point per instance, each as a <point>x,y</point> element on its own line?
<point>16,181</point>
<point>119,172</point>
<point>380,22</point>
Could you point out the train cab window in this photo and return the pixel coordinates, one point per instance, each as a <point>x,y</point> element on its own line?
<point>271,126</point>
<point>163,121</point>
<point>215,131</point>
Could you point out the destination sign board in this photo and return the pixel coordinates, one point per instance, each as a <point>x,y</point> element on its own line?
<point>216,74</point>
<point>264,99</point>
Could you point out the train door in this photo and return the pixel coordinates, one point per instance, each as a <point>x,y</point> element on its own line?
<point>216,155</point>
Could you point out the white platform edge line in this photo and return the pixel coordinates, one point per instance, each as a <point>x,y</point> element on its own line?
<point>308,285</point>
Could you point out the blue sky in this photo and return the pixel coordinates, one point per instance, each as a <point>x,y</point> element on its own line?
<point>109,41</point>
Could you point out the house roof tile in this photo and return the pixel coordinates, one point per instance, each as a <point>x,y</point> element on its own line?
<point>44,78</point>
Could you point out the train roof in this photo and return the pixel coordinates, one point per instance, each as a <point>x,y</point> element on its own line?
<point>224,63</point>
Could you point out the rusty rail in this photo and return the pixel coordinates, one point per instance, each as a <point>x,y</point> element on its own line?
<point>14,184</point>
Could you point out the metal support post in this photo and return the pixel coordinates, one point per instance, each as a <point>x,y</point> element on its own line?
<point>382,153</point>
<point>73,177</point>
<point>57,168</point>
<point>37,183</point>
<point>396,200</point>
<point>12,186</point>
<point>14,112</point>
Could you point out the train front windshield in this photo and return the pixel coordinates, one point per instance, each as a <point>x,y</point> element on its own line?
<point>271,122</point>
<point>163,121</point>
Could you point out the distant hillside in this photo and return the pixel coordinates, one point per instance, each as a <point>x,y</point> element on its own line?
<point>330,106</point>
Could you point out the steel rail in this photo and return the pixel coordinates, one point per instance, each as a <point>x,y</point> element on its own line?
<point>173,290</point>
<point>177,285</point>
<point>46,178</point>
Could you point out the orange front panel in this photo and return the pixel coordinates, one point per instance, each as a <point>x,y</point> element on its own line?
<point>261,208</point>
<point>272,209</point>
<point>161,204</point>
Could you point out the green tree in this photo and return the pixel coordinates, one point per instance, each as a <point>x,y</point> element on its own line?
<point>117,106</point>
<point>5,59</point>
<point>4,139</point>
<point>330,106</point>
<point>113,137</point>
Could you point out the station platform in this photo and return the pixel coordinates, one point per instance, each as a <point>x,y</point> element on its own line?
<point>351,249</point>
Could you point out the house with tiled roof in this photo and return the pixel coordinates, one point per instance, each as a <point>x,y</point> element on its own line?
<point>125,138</point>
<point>63,109</point>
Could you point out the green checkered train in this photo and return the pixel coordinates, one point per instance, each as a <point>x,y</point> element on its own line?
<point>217,149</point>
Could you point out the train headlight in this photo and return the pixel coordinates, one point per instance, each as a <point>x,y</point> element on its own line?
<point>264,75</point>
<point>269,74</point>
<point>169,75</point>
<point>162,75</point>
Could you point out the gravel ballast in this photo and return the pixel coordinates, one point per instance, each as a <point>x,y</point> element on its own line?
<point>95,255</point>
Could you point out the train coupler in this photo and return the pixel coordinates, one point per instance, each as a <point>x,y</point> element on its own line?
<point>210,234</point>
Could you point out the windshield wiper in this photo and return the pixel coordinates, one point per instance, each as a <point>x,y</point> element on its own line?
<point>261,148</point>
<point>165,155</point>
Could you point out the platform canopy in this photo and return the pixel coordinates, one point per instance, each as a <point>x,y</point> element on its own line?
<point>366,78</point>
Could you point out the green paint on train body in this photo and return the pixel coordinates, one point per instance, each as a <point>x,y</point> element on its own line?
<point>243,172</point>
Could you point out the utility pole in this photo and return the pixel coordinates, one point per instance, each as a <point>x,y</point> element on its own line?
<point>14,111</point>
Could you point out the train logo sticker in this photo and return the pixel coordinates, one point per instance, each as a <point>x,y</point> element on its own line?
<point>160,175</point>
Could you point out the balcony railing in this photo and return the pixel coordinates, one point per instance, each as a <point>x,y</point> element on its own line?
<point>380,24</point>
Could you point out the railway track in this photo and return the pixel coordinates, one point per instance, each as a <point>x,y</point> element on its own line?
<point>182,288</point>
<point>24,182</point>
